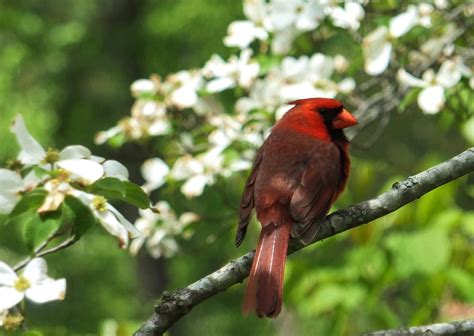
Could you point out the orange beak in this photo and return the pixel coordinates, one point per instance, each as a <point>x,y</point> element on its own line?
<point>344,119</point>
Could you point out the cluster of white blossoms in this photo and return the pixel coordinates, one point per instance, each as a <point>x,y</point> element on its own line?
<point>281,21</point>
<point>33,284</point>
<point>378,44</point>
<point>378,54</point>
<point>266,72</point>
<point>431,98</point>
<point>62,173</point>
<point>160,228</point>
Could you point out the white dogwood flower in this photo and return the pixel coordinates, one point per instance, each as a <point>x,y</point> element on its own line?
<point>109,217</point>
<point>57,191</point>
<point>159,230</point>
<point>242,71</point>
<point>143,86</point>
<point>75,159</point>
<point>378,44</point>
<point>198,171</point>
<point>154,171</point>
<point>11,184</point>
<point>290,18</point>
<point>301,14</point>
<point>432,98</point>
<point>33,283</point>
<point>347,17</point>
<point>186,86</point>
<point>242,33</point>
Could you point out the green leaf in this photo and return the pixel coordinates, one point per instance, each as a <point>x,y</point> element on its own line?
<point>113,188</point>
<point>80,215</point>
<point>32,333</point>
<point>409,99</point>
<point>330,296</point>
<point>109,187</point>
<point>423,252</point>
<point>136,196</point>
<point>368,260</point>
<point>29,201</point>
<point>40,172</point>
<point>38,228</point>
<point>462,282</point>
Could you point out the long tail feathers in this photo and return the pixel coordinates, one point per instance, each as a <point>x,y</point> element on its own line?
<point>264,293</point>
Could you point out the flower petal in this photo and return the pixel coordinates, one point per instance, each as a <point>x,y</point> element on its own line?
<point>10,181</point>
<point>282,14</point>
<point>8,202</point>
<point>195,185</point>
<point>402,23</point>
<point>283,39</point>
<point>87,170</point>
<point>154,172</point>
<point>52,201</point>
<point>31,180</point>
<point>186,166</point>
<point>36,271</point>
<point>310,16</point>
<point>10,186</point>
<point>242,33</point>
<point>49,290</point>
<point>115,169</point>
<point>431,100</point>
<point>321,67</point>
<point>143,86</point>
<point>159,126</point>
<point>9,297</point>
<point>404,77</point>
<point>189,217</point>
<point>7,275</point>
<point>113,226</point>
<point>448,74</point>
<point>255,10</point>
<point>31,151</point>
<point>220,84</point>
<point>184,97</point>
<point>378,58</point>
<point>347,85</point>
<point>122,220</point>
<point>136,245</point>
<point>299,91</point>
<point>75,152</point>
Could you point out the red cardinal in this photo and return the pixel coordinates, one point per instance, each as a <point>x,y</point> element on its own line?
<point>297,175</point>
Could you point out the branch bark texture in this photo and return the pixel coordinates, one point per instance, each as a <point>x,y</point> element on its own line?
<point>458,328</point>
<point>174,305</point>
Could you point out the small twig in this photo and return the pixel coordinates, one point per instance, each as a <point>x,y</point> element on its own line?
<point>40,253</point>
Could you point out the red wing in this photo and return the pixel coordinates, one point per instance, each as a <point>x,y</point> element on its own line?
<point>315,194</point>
<point>247,201</point>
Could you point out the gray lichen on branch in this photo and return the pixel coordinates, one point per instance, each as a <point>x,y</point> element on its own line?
<point>174,305</point>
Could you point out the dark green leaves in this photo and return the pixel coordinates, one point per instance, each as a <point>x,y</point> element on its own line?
<point>113,188</point>
<point>30,201</point>
<point>80,215</point>
<point>39,228</point>
<point>424,252</point>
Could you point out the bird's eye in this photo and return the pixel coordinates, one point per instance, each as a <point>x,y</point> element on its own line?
<point>330,112</point>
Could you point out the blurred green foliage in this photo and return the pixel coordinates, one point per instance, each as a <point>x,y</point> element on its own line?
<point>67,69</point>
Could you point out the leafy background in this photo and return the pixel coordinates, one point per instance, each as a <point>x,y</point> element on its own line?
<point>67,69</point>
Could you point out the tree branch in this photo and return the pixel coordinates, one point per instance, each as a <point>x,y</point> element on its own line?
<point>174,305</point>
<point>458,328</point>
